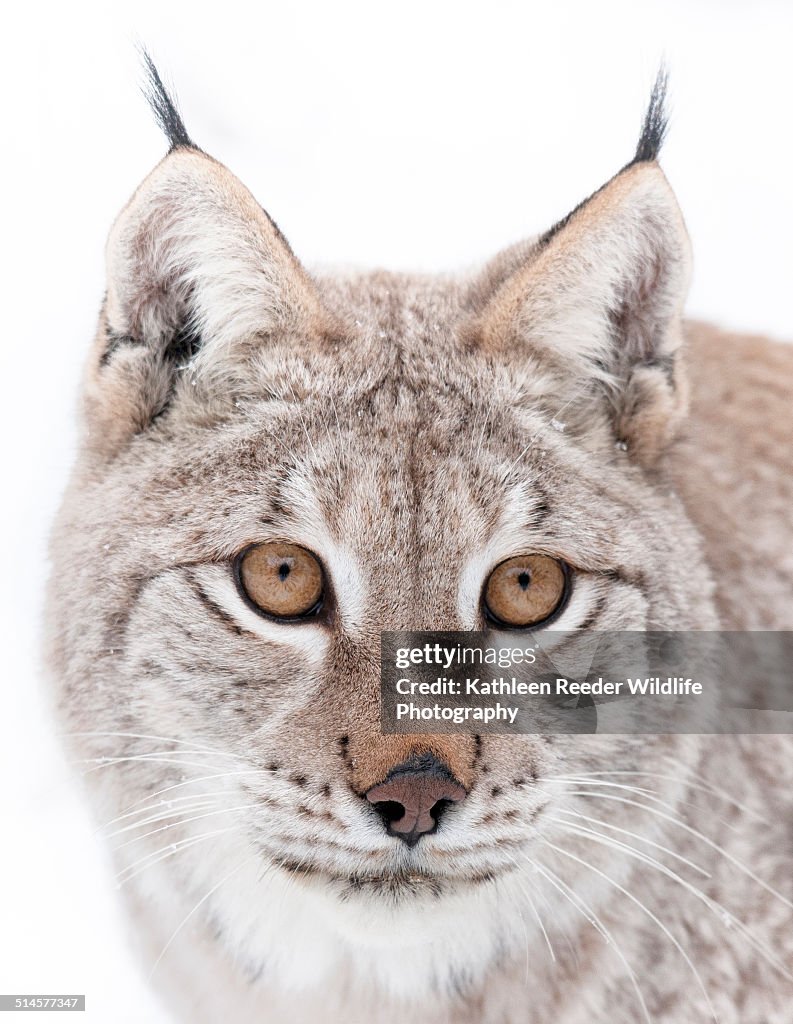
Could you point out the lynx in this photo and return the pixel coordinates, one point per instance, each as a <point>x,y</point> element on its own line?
<point>277,465</point>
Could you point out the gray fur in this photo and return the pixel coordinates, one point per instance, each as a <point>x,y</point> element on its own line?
<point>400,426</point>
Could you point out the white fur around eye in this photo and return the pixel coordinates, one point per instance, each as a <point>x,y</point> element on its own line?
<point>585,593</point>
<point>348,587</point>
<point>344,576</point>
<point>310,638</point>
<point>470,589</point>
<point>512,538</point>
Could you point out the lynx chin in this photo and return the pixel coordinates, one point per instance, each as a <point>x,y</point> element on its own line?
<point>277,464</point>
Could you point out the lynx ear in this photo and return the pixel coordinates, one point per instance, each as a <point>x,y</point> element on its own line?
<point>194,253</point>
<point>599,301</point>
<point>197,275</point>
<point>602,301</point>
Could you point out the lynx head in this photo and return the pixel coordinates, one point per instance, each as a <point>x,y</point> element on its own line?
<point>277,465</point>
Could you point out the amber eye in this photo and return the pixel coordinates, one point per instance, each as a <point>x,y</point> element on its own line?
<point>281,579</point>
<point>526,590</point>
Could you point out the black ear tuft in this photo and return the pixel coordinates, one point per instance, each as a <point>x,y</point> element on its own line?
<point>164,106</point>
<point>656,121</point>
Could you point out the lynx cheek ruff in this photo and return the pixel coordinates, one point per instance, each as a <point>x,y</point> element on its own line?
<point>282,472</point>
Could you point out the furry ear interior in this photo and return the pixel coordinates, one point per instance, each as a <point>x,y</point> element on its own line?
<point>193,252</point>
<point>600,299</point>
<point>197,274</point>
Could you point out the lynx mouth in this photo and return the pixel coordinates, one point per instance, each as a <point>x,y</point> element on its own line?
<point>399,883</point>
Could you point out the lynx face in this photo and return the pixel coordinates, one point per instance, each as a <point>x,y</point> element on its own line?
<point>410,435</point>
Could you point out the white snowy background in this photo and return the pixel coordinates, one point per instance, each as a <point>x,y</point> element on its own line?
<point>421,135</point>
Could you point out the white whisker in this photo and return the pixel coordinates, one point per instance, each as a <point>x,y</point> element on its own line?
<point>147,736</point>
<point>579,904</point>
<point>170,809</point>
<point>163,853</point>
<point>107,762</point>
<point>694,832</point>
<point>700,785</point>
<point>129,812</point>
<point>646,910</point>
<point>635,835</point>
<point>522,924</point>
<point>536,913</point>
<point>575,780</point>
<point>198,905</point>
<point>718,909</point>
<point>185,821</point>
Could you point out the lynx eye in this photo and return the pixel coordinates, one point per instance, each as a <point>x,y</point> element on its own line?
<point>526,590</point>
<point>282,580</point>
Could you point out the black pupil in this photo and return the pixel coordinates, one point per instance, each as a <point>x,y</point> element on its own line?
<point>524,579</point>
<point>283,571</point>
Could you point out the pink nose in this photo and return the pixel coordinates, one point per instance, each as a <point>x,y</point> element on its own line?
<point>414,796</point>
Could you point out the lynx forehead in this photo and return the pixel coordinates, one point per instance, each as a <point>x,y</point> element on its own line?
<point>276,465</point>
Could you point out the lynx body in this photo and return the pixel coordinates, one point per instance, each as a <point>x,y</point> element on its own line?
<point>405,430</point>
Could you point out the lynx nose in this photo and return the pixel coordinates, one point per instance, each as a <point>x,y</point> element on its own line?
<point>414,796</point>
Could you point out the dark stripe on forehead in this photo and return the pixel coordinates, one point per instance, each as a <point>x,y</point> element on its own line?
<point>540,513</point>
<point>543,508</point>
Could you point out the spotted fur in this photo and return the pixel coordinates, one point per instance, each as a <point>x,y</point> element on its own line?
<point>406,429</point>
